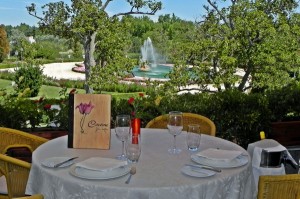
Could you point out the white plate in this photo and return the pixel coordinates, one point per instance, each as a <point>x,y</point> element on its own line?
<point>98,175</point>
<point>50,162</point>
<point>237,162</point>
<point>197,172</point>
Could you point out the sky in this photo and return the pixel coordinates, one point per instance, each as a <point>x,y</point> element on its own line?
<point>13,12</point>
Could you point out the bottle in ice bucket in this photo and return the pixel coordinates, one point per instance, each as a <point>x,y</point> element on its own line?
<point>262,135</point>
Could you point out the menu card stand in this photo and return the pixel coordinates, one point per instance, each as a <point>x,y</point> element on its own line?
<point>89,121</point>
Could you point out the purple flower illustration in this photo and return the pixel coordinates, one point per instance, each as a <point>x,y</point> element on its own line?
<point>84,109</point>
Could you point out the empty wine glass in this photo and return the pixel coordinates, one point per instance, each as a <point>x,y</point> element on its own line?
<point>175,126</point>
<point>133,149</point>
<point>122,130</point>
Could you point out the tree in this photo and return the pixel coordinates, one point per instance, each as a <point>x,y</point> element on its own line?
<point>83,21</point>
<point>259,38</point>
<point>110,56</point>
<point>26,29</point>
<point>4,45</point>
<point>16,39</point>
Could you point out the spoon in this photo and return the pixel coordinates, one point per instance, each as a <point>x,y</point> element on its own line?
<point>132,172</point>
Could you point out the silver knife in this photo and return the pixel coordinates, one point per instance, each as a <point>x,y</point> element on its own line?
<point>198,171</point>
<point>204,167</point>
<point>61,163</point>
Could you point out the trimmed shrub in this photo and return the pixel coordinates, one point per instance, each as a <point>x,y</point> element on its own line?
<point>284,103</point>
<point>28,78</point>
<point>239,117</point>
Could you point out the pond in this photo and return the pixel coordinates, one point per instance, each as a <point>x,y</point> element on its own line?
<point>160,71</point>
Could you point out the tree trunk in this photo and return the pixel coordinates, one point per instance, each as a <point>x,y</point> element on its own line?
<point>89,59</point>
<point>245,78</point>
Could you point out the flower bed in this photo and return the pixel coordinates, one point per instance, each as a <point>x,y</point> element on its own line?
<point>79,68</point>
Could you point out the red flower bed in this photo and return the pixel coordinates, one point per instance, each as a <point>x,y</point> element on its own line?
<point>79,68</point>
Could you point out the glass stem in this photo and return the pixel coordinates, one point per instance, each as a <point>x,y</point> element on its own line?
<point>174,145</point>
<point>123,148</point>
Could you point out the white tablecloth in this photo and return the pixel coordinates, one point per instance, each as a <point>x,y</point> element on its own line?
<point>158,172</point>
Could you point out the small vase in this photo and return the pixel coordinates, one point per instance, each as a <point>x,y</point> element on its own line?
<point>136,126</point>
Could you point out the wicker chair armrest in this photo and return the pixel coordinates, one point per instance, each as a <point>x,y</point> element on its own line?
<point>11,160</point>
<point>17,146</point>
<point>35,196</point>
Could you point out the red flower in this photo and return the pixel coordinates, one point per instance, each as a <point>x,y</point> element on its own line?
<point>130,100</point>
<point>47,106</point>
<point>133,113</point>
<point>136,105</point>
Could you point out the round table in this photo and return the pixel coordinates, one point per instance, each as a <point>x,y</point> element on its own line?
<point>158,172</point>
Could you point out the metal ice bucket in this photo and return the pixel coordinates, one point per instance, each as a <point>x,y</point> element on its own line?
<point>271,159</point>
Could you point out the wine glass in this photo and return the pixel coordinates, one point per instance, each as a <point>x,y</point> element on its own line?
<point>175,126</point>
<point>122,130</point>
<point>133,149</point>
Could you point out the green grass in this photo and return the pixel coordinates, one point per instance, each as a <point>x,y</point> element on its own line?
<point>6,84</point>
<point>45,91</point>
<point>53,91</point>
<point>122,95</point>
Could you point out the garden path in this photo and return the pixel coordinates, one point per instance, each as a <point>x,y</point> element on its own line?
<point>62,71</point>
<point>59,71</point>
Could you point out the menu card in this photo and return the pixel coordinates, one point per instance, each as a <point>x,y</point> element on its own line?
<point>89,121</point>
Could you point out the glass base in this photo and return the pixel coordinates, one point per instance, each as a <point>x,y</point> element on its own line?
<point>121,157</point>
<point>132,161</point>
<point>193,149</point>
<point>174,151</point>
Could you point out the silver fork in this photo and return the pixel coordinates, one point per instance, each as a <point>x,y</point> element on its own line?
<point>132,172</point>
<point>299,166</point>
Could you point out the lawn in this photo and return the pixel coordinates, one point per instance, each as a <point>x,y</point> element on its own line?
<point>45,91</point>
<point>53,91</point>
<point>6,84</point>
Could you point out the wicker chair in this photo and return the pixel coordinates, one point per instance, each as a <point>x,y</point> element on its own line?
<point>206,125</point>
<point>11,138</point>
<point>16,174</point>
<point>35,196</point>
<point>16,171</point>
<point>279,187</point>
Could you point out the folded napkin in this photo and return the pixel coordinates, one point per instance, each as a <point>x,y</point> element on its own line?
<point>100,164</point>
<point>219,154</point>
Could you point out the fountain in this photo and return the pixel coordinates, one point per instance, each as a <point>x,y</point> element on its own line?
<point>148,67</point>
<point>148,64</point>
<point>148,55</point>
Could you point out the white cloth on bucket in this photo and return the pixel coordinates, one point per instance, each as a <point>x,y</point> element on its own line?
<point>255,149</point>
